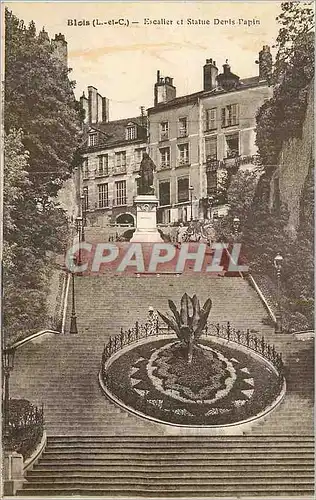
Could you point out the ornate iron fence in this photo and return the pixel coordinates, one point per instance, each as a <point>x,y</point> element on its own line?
<point>224,331</point>
<point>245,338</point>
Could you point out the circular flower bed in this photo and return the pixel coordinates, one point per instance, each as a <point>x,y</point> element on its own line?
<point>222,385</point>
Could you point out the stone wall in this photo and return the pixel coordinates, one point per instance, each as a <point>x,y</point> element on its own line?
<point>293,167</point>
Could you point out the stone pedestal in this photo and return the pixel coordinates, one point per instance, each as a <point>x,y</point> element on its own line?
<point>146,219</point>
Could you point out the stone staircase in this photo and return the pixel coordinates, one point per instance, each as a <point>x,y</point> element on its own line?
<point>96,448</point>
<point>159,466</point>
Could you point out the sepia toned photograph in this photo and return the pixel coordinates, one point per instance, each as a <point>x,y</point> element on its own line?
<point>157,250</point>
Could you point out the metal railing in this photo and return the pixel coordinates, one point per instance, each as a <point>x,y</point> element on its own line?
<point>236,161</point>
<point>224,331</point>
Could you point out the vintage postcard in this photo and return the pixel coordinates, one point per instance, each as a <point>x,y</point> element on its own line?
<point>157,250</point>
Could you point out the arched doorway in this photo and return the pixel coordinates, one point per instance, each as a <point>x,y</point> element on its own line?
<point>125,219</point>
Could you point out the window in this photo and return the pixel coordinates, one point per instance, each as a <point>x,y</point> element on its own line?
<point>85,169</point>
<point>139,152</point>
<point>232,145</point>
<point>103,168</point>
<point>165,157</point>
<point>211,148</point>
<point>164,193</point>
<point>164,131</point>
<point>211,119</point>
<point>120,160</point>
<point>183,189</point>
<point>131,133</point>
<point>183,154</point>
<point>93,139</point>
<point>103,195</point>
<point>85,199</point>
<point>183,127</point>
<point>120,192</point>
<point>230,115</point>
<point>211,180</point>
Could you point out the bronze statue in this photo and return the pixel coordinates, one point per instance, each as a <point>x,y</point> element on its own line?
<point>146,180</point>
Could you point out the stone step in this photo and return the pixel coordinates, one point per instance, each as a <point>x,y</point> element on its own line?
<point>298,493</point>
<point>124,446</point>
<point>121,475</point>
<point>118,461</point>
<point>167,484</point>
<point>182,439</point>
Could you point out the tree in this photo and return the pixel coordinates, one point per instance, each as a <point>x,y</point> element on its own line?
<point>39,99</point>
<point>40,104</point>
<point>297,22</point>
<point>281,117</point>
<point>240,196</point>
<point>16,182</point>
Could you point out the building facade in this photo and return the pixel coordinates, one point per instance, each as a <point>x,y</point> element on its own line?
<point>111,155</point>
<point>198,141</point>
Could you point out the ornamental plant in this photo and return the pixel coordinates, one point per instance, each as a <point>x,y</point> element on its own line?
<point>189,322</point>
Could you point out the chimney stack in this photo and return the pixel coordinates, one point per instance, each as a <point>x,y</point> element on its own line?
<point>84,104</point>
<point>265,63</point>
<point>164,90</point>
<point>93,104</point>
<point>105,110</point>
<point>210,73</point>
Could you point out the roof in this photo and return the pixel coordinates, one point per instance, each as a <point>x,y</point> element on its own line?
<point>244,83</point>
<point>114,132</point>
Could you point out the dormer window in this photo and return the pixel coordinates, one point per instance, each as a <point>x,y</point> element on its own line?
<point>131,132</point>
<point>93,139</point>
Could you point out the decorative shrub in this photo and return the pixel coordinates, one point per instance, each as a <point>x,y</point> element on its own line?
<point>26,427</point>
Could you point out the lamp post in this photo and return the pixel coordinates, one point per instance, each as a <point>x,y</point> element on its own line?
<point>73,319</point>
<point>210,204</point>
<point>278,261</point>
<point>83,214</point>
<point>191,188</point>
<point>236,225</point>
<point>79,227</point>
<point>8,365</point>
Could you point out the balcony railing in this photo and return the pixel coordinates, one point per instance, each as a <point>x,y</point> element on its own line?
<point>119,170</point>
<point>165,164</point>
<point>235,162</point>
<point>183,132</point>
<point>164,136</point>
<point>183,162</point>
<point>119,202</point>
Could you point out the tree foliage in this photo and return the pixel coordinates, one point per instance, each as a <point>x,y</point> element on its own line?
<point>282,116</point>
<point>41,136</point>
<point>39,99</point>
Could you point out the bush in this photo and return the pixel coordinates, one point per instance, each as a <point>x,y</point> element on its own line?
<point>26,427</point>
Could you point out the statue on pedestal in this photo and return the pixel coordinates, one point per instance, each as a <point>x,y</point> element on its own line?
<point>146,179</point>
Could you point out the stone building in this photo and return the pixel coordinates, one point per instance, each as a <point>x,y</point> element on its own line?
<point>199,140</point>
<point>111,152</point>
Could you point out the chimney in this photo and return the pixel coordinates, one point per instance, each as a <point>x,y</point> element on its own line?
<point>228,80</point>
<point>60,49</point>
<point>265,63</point>
<point>93,104</point>
<point>164,89</point>
<point>84,104</point>
<point>105,109</point>
<point>210,73</point>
